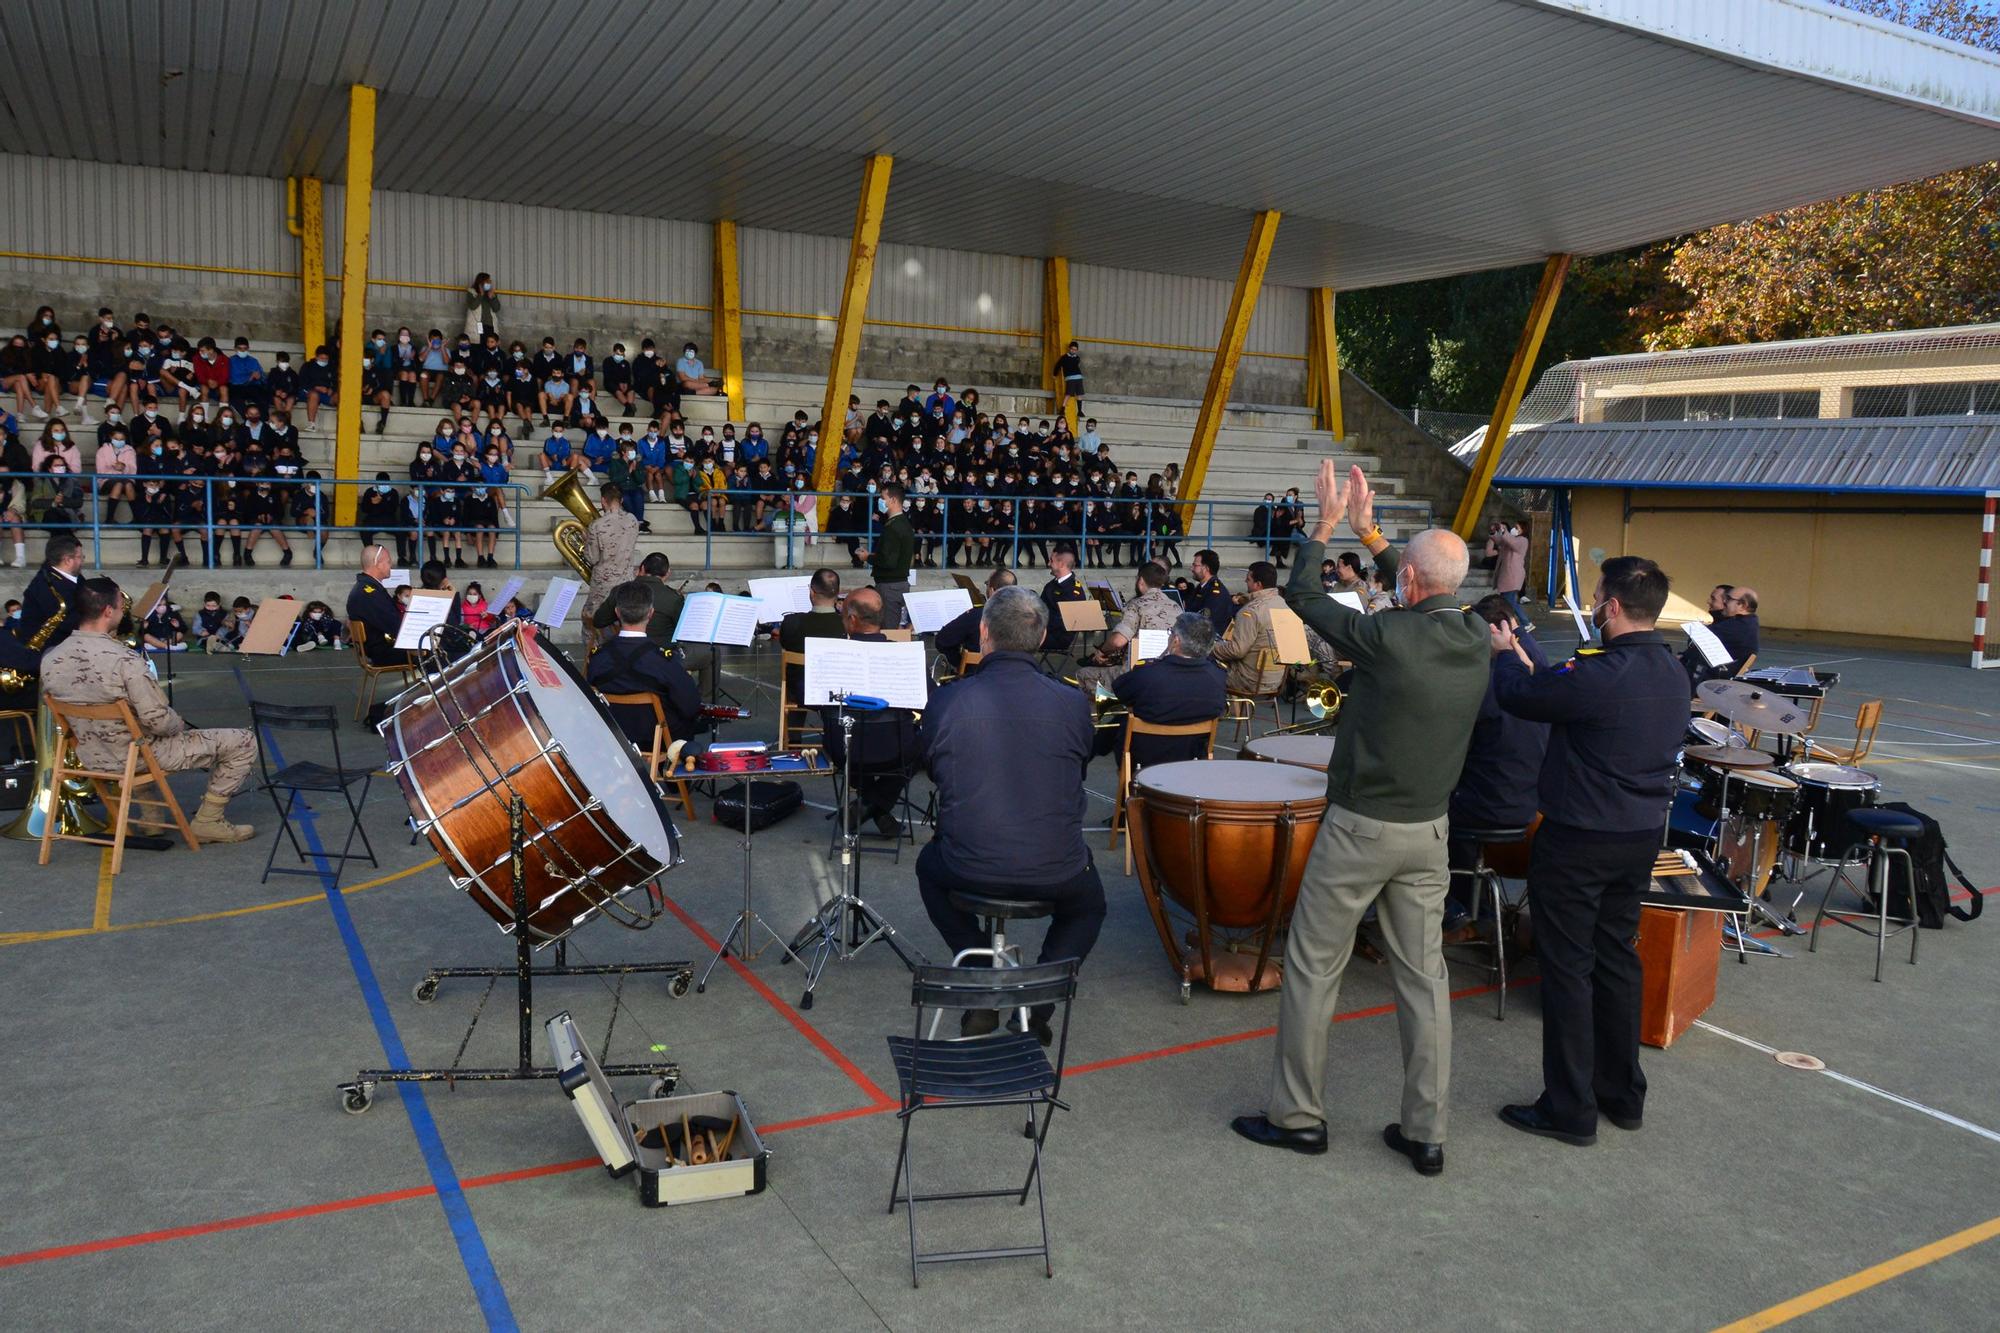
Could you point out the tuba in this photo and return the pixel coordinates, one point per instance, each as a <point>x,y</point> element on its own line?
<point>567,490</point>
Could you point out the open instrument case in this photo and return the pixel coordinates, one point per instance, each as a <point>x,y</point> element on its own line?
<point>651,1134</point>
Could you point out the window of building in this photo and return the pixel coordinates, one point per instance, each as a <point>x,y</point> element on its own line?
<point>1714,406</point>
<point>1927,400</point>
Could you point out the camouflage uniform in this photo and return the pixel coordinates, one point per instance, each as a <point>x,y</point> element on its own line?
<point>611,549</point>
<point>1152,609</point>
<point>1250,631</point>
<point>89,668</point>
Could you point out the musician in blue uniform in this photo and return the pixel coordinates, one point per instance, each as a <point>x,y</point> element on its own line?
<point>1205,593</point>
<point>961,635</point>
<point>631,662</point>
<point>1496,788</point>
<point>370,602</point>
<point>1184,685</point>
<point>1063,586</point>
<point>1616,716</point>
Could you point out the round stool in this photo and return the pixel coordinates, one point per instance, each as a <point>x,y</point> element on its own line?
<point>994,912</point>
<point>1882,830</point>
<point>1485,877</point>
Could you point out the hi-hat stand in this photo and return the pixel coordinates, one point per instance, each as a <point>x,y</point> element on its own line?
<point>357,1096</point>
<point>846,924</point>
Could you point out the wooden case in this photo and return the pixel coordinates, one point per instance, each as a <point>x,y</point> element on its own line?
<point>1680,951</point>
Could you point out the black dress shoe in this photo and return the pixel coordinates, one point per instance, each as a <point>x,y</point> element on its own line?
<point>1629,1123</point>
<point>1531,1120</point>
<point>1428,1158</point>
<point>1259,1130</point>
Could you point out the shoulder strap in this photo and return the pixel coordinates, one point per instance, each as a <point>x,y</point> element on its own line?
<point>1978,904</point>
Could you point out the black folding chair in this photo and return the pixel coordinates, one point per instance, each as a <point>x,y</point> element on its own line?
<point>1002,1069</point>
<point>308,776</point>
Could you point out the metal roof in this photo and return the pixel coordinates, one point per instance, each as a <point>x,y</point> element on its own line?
<point>1895,456</point>
<point>1401,140</point>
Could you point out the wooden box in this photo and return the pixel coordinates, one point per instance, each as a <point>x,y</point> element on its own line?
<point>1680,952</point>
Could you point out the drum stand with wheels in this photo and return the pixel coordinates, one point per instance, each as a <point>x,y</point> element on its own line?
<point>358,1095</point>
<point>846,924</point>
<point>747,921</point>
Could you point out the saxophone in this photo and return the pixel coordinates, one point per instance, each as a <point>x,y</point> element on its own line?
<point>13,680</point>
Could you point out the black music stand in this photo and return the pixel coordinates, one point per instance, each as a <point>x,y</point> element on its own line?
<point>359,1094</point>
<point>746,920</point>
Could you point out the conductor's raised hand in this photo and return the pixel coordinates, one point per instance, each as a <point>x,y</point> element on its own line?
<point>1332,498</point>
<point>1360,502</point>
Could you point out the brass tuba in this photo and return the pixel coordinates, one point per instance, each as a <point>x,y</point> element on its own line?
<point>567,490</point>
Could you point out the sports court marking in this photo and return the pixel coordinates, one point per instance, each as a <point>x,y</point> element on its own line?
<point>1840,1289</point>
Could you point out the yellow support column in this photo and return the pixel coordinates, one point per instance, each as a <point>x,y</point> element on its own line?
<point>306,207</point>
<point>1228,351</point>
<point>1511,391</point>
<point>727,342</point>
<point>847,331</point>
<point>1056,330</point>
<point>359,204</point>
<point>1323,365</point>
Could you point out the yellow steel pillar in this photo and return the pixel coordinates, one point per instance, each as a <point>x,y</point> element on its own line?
<point>305,218</point>
<point>1511,390</point>
<point>1056,330</point>
<point>358,203</point>
<point>1323,365</point>
<point>726,344</point>
<point>847,331</point>
<point>1228,351</point>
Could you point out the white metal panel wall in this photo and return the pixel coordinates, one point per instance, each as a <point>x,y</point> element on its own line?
<point>1167,308</point>
<point>60,207</point>
<point>792,273</point>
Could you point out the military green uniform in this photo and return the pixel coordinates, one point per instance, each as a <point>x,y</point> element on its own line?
<point>91,668</point>
<point>611,549</point>
<point>1152,609</point>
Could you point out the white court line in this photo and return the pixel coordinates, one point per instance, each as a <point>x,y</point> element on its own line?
<point>1838,1077</point>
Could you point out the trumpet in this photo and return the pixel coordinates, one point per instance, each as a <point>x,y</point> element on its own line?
<point>1107,709</point>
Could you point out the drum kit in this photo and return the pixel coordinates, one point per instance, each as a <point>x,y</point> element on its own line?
<point>1763,816</point>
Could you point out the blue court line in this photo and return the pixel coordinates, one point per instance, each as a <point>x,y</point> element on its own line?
<point>472,1253</point>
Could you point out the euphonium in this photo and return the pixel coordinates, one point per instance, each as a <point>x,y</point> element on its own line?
<point>567,490</point>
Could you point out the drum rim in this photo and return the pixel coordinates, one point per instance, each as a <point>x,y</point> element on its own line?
<point>1765,777</point>
<point>1263,771</point>
<point>1873,783</point>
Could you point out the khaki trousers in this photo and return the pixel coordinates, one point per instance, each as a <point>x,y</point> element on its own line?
<point>228,753</point>
<point>1400,868</point>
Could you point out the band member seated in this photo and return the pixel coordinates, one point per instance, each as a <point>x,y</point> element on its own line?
<point>885,740</point>
<point>1496,788</point>
<point>962,634</point>
<point>93,666</point>
<point>1011,739</point>
<point>1251,632</point>
<point>1739,630</point>
<point>667,601</point>
<point>822,622</point>
<point>372,603</point>
<point>1618,716</point>
<point>47,616</point>
<point>1205,593</point>
<point>1151,608</point>
<point>631,662</point>
<point>1183,686</point>
<point>1063,586</point>
<point>1720,608</point>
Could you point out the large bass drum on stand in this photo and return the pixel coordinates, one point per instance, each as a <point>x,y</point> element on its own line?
<point>513,718</point>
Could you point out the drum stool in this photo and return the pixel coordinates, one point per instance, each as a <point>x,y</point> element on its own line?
<point>1883,829</point>
<point>1486,885</point>
<point>994,913</point>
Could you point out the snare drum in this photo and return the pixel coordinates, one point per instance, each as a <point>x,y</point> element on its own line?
<point>510,719</point>
<point>1827,792</point>
<point>1707,731</point>
<point>1225,840</point>
<point>1760,805</point>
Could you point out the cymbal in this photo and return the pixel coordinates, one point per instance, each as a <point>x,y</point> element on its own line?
<point>1754,707</point>
<point>1730,756</point>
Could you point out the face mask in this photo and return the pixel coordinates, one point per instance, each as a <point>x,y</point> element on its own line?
<point>381,490</point>
<point>1597,616</point>
<point>882,505</point>
<point>319,360</point>
<point>458,456</point>
<point>871,488</point>
<point>423,453</point>
<point>492,377</point>
<point>59,436</point>
<point>707,437</point>
<point>653,434</point>
<point>158,450</point>
<point>54,343</point>
<point>403,338</point>
<point>381,342</point>
<point>1032,478</point>
<point>284,360</point>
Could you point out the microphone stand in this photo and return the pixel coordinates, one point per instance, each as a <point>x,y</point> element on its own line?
<point>837,929</point>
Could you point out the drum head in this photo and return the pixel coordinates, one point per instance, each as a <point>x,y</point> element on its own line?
<point>1304,751</point>
<point>1834,775</point>
<point>1232,781</point>
<point>1751,777</point>
<point>1707,731</point>
<point>594,746</point>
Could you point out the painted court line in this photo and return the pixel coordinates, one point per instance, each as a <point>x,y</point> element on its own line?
<point>1839,1290</point>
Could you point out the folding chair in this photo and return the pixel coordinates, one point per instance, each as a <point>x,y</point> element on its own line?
<point>309,776</point>
<point>1243,707</point>
<point>364,699</point>
<point>1002,1069</point>
<point>118,788</point>
<point>792,716</point>
<point>1138,726</point>
<point>1867,719</point>
<point>967,660</point>
<point>662,742</point>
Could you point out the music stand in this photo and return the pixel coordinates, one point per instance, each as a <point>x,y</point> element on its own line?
<point>747,919</point>
<point>846,924</point>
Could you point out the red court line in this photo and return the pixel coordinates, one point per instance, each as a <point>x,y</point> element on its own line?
<point>797,1020</point>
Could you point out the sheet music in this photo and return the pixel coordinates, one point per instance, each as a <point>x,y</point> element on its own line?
<point>778,598</point>
<point>1703,638</point>
<point>428,609</point>
<point>397,578</point>
<point>556,601</point>
<point>1351,600</point>
<point>889,671</point>
<point>1583,627</point>
<point>737,623</point>
<point>932,611</point>
<point>718,617</point>
<point>1150,644</point>
<point>508,592</point>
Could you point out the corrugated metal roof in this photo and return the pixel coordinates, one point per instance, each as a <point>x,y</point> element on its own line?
<point>1401,140</point>
<point>1906,456</point>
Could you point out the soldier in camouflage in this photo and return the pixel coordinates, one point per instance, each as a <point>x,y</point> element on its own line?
<point>1150,608</point>
<point>92,666</point>
<point>610,548</point>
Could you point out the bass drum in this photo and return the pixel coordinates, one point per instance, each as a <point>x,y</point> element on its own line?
<point>511,719</point>
<point>1226,841</point>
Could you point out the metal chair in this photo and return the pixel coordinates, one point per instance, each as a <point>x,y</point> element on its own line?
<point>1485,877</point>
<point>309,777</point>
<point>1880,829</point>
<point>364,698</point>
<point>1138,726</point>
<point>1242,708</point>
<point>655,750</point>
<point>118,788</point>
<point>1004,1069</point>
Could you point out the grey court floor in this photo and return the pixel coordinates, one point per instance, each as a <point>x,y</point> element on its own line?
<point>176,1157</point>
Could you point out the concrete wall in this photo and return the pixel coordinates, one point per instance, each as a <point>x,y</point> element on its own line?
<point>1817,562</point>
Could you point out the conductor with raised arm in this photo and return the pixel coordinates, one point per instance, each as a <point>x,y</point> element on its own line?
<point>1419,675</point>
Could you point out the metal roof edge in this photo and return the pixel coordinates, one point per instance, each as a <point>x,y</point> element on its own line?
<point>1785,488</point>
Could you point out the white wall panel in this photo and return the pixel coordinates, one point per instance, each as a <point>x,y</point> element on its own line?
<point>1167,308</point>
<point>913,284</point>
